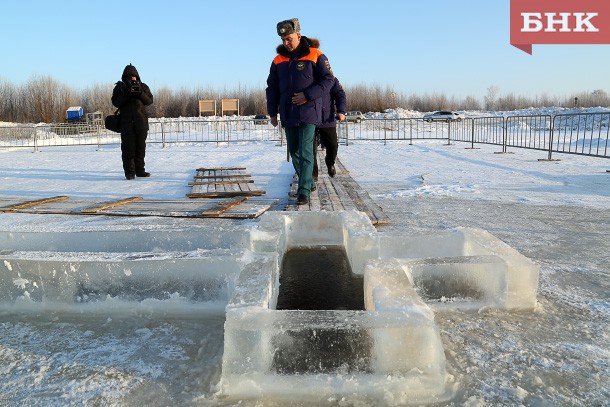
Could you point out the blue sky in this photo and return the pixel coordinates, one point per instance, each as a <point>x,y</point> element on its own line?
<point>456,48</point>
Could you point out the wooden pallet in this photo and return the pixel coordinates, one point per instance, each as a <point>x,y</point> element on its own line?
<point>222,183</point>
<point>231,207</point>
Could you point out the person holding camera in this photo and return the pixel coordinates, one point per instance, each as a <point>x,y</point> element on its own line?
<point>130,96</point>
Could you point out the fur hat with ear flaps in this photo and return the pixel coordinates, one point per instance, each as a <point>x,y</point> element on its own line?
<point>287,27</point>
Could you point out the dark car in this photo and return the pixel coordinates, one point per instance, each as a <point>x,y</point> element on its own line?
<point>261,119</point>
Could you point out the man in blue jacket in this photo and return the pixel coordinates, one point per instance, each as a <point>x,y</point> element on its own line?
<point>298,78</point>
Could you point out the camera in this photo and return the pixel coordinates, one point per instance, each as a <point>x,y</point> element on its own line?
<point>134,87</point>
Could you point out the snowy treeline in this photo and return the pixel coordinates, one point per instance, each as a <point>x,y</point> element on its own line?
<point>43,99</point>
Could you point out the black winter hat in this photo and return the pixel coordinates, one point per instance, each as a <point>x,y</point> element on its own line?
<point>130,71</point>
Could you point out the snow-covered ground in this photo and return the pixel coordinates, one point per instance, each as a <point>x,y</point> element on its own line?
<point>556,213</point>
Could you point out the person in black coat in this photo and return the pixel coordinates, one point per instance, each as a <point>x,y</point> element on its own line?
<point>130,96</point>
<point>334,106</point>
<point>333,110</point>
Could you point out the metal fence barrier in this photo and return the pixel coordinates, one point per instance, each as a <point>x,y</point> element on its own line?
<point>584,133</point>
<point>216,131</point>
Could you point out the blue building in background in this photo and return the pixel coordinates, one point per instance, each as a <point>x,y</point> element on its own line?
<point>74,114</point>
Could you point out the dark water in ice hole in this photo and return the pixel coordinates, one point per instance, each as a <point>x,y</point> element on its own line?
<point>320,279</point>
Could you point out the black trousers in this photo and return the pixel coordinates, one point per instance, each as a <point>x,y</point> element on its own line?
<point>327,137</point>
<point>133,150</point>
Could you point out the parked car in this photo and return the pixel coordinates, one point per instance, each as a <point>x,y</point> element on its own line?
<point>444,116</point>
<point>355,116</point>
<point>261,119</point>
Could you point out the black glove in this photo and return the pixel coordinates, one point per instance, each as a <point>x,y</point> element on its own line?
<point>132,88</point>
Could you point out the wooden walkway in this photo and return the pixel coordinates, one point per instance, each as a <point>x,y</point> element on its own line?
<point>339,193</point>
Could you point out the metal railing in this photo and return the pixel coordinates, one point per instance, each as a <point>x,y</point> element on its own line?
<point>215,131</point>
<point>584,133</point>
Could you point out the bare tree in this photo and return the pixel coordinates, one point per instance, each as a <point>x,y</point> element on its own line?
<point>98,98</point>
<point>44,99</point>
<point>8,101</point>
<point>471,103</point>
<point>599,97</point>
<point>490,98</point>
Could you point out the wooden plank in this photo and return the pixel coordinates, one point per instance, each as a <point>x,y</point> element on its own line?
<point>329,199</point>
<point>292,195</point>
<point>112,204</point>
<point>165,208</point>
<point>335,203</point>
<point>342,195</point>
<point>229,208</point>
<point>29,204</point>
<point>224,206</point>
<point>314,201</point>
<point>341,170</point>
<point>232,187</point>
<point>222,176</point>
<point>324,196</point>
<point>345,184</point>
<point>221,183</point>
<point>224,194</point>
<point>249,181</point>
<point>364,203</point>
<point>250,209</point>
<point>222,168</point>
<point>341,192</point>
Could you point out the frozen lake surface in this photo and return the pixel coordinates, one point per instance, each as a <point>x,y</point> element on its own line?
<point>170,353</point>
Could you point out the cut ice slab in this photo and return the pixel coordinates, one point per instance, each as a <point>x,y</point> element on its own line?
<point>391,351</point>
<point>309,354</point>
<point>379,352</point>
<point>464,268</point>
<point>68,279</point>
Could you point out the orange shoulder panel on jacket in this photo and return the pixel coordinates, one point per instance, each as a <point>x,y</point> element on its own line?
<point>279,59</point>
<point>313,55</point>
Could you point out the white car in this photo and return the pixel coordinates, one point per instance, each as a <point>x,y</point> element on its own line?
<point>355,116</point>
<point>444,116</point>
